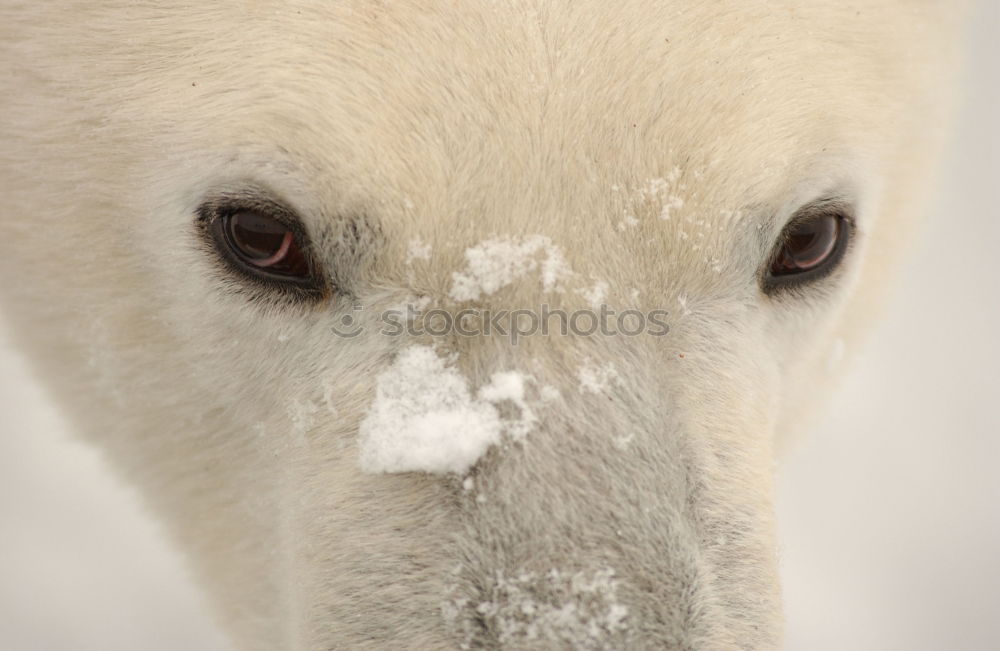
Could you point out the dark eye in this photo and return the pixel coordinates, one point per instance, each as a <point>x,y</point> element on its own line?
<point>267,245</point>
<point>810,246</point>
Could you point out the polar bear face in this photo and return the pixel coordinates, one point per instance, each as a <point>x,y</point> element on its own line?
<point>211,209</point>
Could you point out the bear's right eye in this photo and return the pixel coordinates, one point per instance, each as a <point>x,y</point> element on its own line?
<point>263,243</point>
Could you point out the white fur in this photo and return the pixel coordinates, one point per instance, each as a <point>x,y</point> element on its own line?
<point>659,145</point>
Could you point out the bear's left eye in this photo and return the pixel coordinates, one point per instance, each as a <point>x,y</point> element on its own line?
<point>811,246</point>
<point>263,244</point>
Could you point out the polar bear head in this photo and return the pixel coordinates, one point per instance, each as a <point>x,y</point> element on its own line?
<point>266,255</point>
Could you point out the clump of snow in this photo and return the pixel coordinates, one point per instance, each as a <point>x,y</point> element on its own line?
<point>580,610</point>
<point>596,295</point>
<point>496,263</point>
<point>597,378</point>
<point>426,418</point>
<point>662,191</point>
<point>662,185</point>
<point>662,188</point>
<point>418,250</point>
<point>509,386</point>
<point>506,385</point>
<point>670,204</point>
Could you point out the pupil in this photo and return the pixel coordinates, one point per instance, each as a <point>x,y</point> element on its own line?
<point>810,243</point>
<point>258,237</point>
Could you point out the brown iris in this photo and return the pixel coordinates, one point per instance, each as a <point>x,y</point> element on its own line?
<point>810,246</point>
<point>265,242</point>
<point>807,245</point>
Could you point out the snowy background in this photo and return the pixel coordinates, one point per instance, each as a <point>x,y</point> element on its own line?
<point>890,512</point>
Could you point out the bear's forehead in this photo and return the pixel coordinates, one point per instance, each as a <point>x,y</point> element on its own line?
<point>416,89</point>
<point>537,115</point>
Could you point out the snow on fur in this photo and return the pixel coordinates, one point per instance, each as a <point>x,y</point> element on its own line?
<point>596,295</point>
<point>579,610</point>
<point>426,418</point>
<point>494,264</point>
<point>597,378</point>
<point>418,250</point>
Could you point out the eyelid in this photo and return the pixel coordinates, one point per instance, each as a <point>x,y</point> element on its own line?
<point>228,203</point>
<point>822,206</point>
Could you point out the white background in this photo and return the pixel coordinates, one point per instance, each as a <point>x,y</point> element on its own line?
<point>889,509</point>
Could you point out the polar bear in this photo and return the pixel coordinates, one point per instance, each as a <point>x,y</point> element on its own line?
<point>212,211</point>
